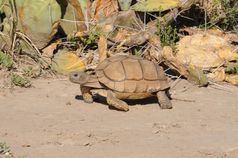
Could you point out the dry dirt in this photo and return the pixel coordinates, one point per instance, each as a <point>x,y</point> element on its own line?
<point>48,121</point>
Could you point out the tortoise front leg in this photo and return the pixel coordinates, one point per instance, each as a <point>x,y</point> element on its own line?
<point>115,102</point>
<point>164,100</point>
<point>86,93</point>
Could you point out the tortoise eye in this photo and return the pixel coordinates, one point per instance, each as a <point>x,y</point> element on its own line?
<point>75,75</point>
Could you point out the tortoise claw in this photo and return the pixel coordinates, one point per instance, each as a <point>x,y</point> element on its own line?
<point>167,105</point>
<point>87,98</point>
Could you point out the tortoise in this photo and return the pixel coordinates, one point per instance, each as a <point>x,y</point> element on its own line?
<point>124,77</point>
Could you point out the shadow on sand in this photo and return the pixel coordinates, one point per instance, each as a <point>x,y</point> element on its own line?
<point>131,102</point>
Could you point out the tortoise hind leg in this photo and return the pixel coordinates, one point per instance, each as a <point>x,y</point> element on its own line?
<point>164,100</point>
<point>115,102</point>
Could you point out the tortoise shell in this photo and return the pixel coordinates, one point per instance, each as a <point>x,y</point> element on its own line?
<point>131,74</point>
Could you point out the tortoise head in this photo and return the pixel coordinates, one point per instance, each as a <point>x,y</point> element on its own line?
<point>79,77</point>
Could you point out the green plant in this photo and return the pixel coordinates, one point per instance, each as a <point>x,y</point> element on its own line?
<point>231,11</point>
<point>31,72</point>
<point>6,60</point>
<point>90,40</point>
<point>5,151</point>
<point>20,81</point>
<point>232,69</point>
<point>168,35</point>
<point>222,156</point>
<point>224,14</point>
<point>138,52</point>
<point>28,71</point>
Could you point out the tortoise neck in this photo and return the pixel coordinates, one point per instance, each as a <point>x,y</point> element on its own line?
<point>93,82</point>
<point>93,78</point>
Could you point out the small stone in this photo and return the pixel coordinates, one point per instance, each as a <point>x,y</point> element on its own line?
<point>26,145</point>
<point>68,103</point>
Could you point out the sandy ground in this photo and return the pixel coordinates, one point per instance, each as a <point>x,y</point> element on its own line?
<point>48,121</point>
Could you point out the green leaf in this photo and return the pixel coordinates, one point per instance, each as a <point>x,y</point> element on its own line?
<point>20,81</point>
<point>197,76</point>
<point>38,19</point>
<point>124,4</point>
<point>5,60</point>
<point>155,5</point>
